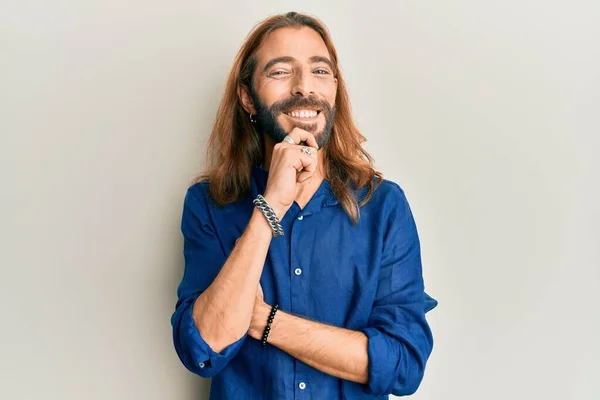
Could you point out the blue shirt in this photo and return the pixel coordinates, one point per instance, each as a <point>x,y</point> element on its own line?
<point>366,278</point>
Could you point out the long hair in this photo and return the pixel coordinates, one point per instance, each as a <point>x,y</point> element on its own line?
<point>235,147</point>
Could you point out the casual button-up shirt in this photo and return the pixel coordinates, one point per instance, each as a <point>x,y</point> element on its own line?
<point>365,277</point>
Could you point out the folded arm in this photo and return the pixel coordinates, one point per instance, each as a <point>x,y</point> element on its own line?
<point>389,355</point>
<point>336,351</point>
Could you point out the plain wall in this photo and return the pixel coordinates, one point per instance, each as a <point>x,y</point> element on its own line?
<point>486,113</point>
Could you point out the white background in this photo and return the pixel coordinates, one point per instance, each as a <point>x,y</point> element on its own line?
<point>486,113</point>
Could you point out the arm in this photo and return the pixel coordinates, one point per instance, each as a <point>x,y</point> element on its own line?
<point>336,351</point>
<point>216,293</point>
<point>222,313</point>
<point>400,340</point>
<point>389,355</point>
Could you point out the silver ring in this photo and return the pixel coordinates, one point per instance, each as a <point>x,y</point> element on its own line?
<point>288,139</point>
<point>306,150</point>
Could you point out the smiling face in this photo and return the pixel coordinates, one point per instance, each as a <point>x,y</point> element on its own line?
<point>293,85</point>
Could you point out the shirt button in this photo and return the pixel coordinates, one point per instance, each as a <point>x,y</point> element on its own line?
<point>297,271</point>
<point>300,218</point>
<point>201,365</point>
<point>302,385</point>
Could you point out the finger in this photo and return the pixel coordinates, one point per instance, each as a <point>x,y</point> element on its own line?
<point>294,135</point>
<point>300,135</point>
<point>302,160</point>
<point>312,141</point>
<point>306,165</point>
<point>301,151</point>
<point>304,176</point>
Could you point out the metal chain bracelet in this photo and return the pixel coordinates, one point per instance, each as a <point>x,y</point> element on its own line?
<point>262,204</point>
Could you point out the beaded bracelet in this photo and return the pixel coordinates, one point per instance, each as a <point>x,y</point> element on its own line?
<point>261,203</point>
<point>268,327</point>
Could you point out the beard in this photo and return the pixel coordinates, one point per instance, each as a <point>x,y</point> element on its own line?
<point>266,117</point>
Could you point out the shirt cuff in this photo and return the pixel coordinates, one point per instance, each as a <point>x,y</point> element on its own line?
<point>384,357</point>
<point>206,362</point>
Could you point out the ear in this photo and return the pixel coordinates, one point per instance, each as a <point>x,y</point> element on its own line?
<point>246,99</point>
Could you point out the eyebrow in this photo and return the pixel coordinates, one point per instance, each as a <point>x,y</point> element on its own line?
<point>288,59</point>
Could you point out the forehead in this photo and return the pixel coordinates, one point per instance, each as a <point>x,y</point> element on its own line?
<point>299,43</point>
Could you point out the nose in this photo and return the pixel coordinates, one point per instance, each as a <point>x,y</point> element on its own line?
<point>302,84</point>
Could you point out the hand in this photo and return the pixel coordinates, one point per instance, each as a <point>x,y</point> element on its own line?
<point>259,293</point>
<point>290,166</point>
<point>260,315</point>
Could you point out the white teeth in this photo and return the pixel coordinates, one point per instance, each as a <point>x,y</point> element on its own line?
<point>303,114</point>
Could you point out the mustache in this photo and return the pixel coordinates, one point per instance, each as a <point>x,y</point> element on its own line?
<point>296,102</point>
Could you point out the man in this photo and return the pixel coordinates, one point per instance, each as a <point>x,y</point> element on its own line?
<point>302,272</point>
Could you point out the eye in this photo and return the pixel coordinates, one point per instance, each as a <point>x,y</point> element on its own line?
<point>278,73</point>
<point>321,71</point>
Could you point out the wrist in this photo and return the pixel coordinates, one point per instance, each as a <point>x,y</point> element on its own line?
<point>271,215</point>
<point>277,207</point>
<point>259,223</point>
<point>259,320</point>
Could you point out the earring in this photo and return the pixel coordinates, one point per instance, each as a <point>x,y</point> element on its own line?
<point>253,118</point>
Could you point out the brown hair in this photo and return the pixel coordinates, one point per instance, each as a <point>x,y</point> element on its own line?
<point>234,147</point>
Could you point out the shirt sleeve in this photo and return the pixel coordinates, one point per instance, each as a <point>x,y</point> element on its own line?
<point>204,257</point>
<point>399,338</point>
